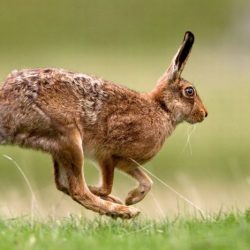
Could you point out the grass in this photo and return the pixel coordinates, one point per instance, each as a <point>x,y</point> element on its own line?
<point>223,231</point>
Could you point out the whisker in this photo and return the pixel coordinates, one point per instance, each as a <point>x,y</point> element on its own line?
<point>190,131</point>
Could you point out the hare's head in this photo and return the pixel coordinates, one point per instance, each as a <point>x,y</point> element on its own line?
<point>176,95</point>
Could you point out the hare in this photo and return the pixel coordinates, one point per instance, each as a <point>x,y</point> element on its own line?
<point>72,115</point>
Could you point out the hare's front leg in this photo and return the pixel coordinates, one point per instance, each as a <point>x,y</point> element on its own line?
<point>70,159</point>
<point>107,168</point>
<point>145,184</point>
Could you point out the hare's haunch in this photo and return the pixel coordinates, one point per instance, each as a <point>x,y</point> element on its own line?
<point>71,114</point>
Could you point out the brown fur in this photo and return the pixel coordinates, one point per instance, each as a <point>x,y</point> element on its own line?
<point>66,114</point>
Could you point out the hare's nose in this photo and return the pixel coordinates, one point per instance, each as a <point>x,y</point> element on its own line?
<point>206,113</point>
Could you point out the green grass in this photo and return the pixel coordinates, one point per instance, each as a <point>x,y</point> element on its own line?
<point>231,231</point>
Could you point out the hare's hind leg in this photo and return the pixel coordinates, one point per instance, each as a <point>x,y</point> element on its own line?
<point>145,184</point>
<point>107,168</point>
<point>70,158</point>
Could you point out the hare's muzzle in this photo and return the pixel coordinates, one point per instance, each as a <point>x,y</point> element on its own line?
<point>197,115</point>
<point>203,114</point>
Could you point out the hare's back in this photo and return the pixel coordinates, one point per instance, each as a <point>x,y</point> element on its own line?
<point>52,89</point>
<point>47,80</point>
<point>33,98</point>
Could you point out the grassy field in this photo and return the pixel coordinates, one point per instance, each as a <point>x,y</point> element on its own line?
<point>222,232</point>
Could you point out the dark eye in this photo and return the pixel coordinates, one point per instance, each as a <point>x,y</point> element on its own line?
<point>189,91</point>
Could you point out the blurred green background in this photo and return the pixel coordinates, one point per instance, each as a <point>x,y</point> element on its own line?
<point>132,43</point>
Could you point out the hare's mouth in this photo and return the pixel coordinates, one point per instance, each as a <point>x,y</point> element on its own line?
<point>195,119</point>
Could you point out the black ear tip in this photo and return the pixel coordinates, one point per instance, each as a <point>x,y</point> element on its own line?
<point>189,36</point>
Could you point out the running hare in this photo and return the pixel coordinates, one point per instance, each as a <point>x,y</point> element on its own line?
<point>70,115</point>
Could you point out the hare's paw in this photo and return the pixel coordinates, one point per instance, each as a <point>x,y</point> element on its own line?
<point>112,198</point>
<point>124,213</point>
<point>97,190</point>
<point>104,194</point>
<point>136,195</point>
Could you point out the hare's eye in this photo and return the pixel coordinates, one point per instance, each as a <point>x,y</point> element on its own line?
<point>189,91</point>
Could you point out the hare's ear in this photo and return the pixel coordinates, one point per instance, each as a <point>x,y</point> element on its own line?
<point>177,65</point>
